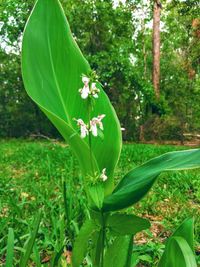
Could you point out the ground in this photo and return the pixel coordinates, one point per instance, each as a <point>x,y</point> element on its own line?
<point>31,178</point>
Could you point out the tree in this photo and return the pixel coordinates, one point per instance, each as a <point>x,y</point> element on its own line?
<point>104,34</point>
<point>156,48</point>
<point>120,50</point>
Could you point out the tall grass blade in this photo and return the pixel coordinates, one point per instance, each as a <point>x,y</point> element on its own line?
<point>10,248</point>
<point>29,245</point>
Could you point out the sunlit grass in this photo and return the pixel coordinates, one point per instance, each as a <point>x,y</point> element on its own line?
<point>31,178</point>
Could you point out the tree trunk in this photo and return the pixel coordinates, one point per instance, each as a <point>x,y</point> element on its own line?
<point>156,48</point>
<point>141,137</point>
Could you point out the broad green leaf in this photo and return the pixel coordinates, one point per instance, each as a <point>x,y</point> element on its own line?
<point>98,216</point>
<point>118,253</point>
<point>139,181</point>
<point>81,242</point>
<point>186,231</point>
<point>129,258</point>
<point>52,66</point>
<point>96,196</point>
<point>10,248</point>
<point>124,224</point>
<point>95,251</point>
<point>178,254</point>
<point>29,245</point>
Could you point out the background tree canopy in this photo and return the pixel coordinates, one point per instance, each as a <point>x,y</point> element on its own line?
<point>116,38</point>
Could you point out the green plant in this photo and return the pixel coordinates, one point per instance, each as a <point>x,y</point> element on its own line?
<point>53,71</point>
<point>173,198</point>
<point>179,247</point>
<point>28,247</point>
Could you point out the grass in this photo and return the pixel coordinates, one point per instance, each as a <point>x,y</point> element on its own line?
<point>31,178</point>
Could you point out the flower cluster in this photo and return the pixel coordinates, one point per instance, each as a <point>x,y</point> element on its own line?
<point>83,128</point>
<point>88,90</point>
<point>93,126</point>
<point>103,175</point>
<point>96,122</point>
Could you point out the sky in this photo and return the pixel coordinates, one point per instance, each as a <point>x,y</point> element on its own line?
<point>117,1</point>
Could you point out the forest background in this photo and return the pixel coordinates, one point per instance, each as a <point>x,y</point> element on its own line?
<point>128,51</point>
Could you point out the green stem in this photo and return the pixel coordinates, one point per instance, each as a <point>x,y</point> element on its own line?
<point>91,158</point>
<point>102,242</point>
<point>102,248</point>
<point>90,136</point>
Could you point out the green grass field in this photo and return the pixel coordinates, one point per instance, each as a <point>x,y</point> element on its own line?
<point>31,178</point>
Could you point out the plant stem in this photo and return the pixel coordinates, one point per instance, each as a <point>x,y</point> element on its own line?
<point>90,136</point>
<point>102,242</point>
<point>102,248</point>
<point>91,158</point>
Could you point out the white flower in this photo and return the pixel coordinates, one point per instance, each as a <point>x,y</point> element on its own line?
<point>100,118</point>
<point>94,90</point>
<point>103,175</point>
<point>96,122</point>
<point>93,127</point>
<point>85,80</point>
<point>83,127</point>
<point>85,91</point>
<point>93,86</point>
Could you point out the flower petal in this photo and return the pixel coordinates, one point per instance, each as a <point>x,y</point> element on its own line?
<point>85,80</point>
<point>94,129</point>
<point>85,92</point>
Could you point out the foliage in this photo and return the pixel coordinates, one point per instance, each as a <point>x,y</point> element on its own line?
<point>182,53</point>
<point>139,181</point>
<point>39,188</point>
<point>32,183</point>
<point>26,250</point>
<point>53,67</point>
<point>117,43</point>
<point>179,247</point>
<point>106,40</point>
<point>71,106</point>
<point>19,116</point>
